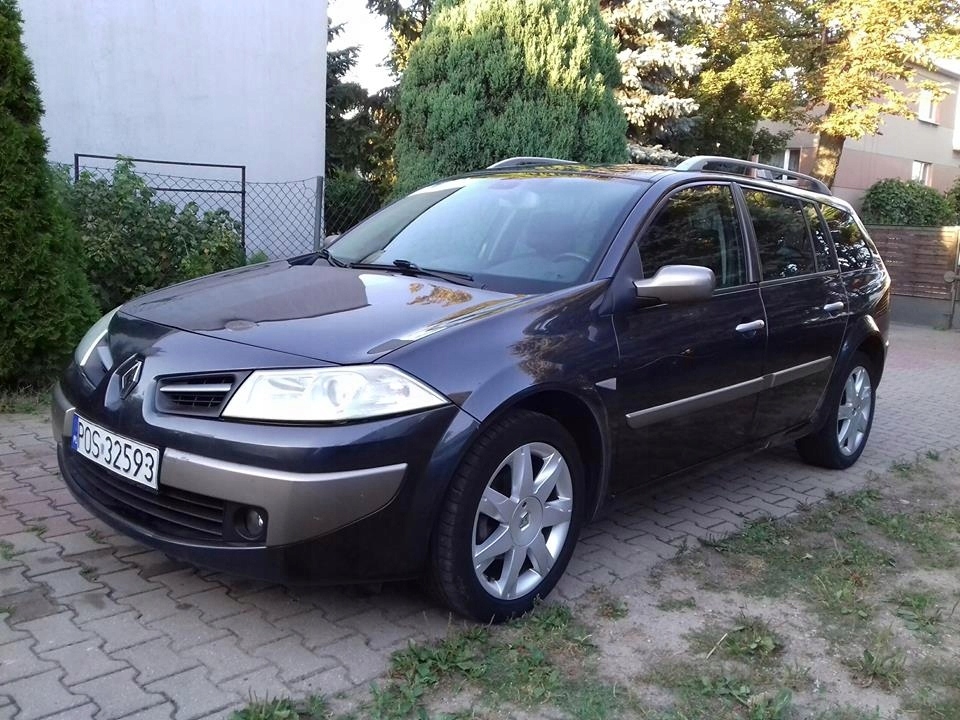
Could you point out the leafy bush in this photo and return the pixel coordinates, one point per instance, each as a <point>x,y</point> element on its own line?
<point>953,199</point>
<point>45,300</point>
<point>135,242</point>
<point>347,199</point>
<point>899,202</point>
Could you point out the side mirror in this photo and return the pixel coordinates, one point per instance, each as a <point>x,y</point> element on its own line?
<point>328,240</point>
<point>677,284</point>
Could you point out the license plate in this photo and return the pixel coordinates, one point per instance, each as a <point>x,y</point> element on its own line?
<point>127,458</point>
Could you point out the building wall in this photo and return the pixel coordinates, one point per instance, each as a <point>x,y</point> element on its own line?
<point>891,152</point>
<point>220,81</point>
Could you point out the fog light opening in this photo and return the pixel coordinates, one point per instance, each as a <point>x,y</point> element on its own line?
<point>251,522</point>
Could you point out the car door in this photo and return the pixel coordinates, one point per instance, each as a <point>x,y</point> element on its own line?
<point>805,304</point>
<point>688,374</point>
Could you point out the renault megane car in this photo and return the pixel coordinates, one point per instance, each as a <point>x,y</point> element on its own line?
<point>453,387</point>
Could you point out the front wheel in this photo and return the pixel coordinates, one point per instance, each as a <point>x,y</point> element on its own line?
<point>510,520</point>
<point>841,440</point>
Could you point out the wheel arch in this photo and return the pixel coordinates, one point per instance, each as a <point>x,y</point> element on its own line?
<point>865,336</point>
<point>862,336</point>
<point>584,420</point>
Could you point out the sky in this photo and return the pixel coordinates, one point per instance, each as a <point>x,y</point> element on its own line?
<point>365,30</point>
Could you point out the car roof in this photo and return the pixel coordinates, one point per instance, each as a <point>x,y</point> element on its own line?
<point>654,173</point>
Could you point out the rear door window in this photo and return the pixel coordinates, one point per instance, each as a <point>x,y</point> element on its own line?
<point>853,247</point>
<point>783,238</point>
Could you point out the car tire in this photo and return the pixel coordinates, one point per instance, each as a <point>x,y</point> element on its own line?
<point>510,520</point>
<point>840,441</point>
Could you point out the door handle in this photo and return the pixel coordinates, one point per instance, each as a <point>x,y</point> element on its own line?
<point>748,327</point>
<point>833,307</point>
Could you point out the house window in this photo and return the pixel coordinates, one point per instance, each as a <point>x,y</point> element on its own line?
<point>791,159</point>
<point>926,107</point>
<point>921,172</point>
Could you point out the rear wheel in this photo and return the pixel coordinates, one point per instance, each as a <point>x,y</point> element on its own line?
<point>510,519</point>
<point>841,440</point>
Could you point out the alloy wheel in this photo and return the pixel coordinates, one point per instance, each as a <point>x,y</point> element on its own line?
<point>522,521</point>
<point>853,416</point>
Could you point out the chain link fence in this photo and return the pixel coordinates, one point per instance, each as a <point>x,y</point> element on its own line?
<point>276,219</point>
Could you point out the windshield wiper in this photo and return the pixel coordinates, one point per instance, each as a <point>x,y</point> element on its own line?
<point>411,268</point>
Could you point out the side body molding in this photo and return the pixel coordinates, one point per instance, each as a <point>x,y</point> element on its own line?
<point>668,411</point>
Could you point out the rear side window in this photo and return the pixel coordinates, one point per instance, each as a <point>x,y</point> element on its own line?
<point>782,236</point>
<point>821,243</point>
<point>697,226</point>
<point>853,249</point>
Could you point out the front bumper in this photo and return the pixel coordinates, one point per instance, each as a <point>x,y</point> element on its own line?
<point>369,518</point>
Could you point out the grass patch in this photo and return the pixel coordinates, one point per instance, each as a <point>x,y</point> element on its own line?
<point>38,529</point>
<point>749,639</point>
<point>313,708</point>
<point>926,532</point>
<point>7,551</point>
<point>938,696</point>
<point>720,695</point>
<point>88,573</point>
<point>608,606</point>
<point>921,613</point>
<point>834,554</point>
<point>930,704</point>
<point>25,401</point>
<point>849,713</point>
<point>96,536</point>
<point>544,659</point>
<point>677,604</point>
<point>882,663</point>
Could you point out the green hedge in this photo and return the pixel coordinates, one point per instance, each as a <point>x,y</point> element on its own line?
<point>134,242</point>
<point>899,202</point>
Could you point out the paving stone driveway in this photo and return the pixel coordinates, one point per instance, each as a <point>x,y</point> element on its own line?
<point>100,626</point>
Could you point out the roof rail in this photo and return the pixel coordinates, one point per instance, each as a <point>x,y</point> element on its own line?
<point>745,167</point>
<point>516,162</point>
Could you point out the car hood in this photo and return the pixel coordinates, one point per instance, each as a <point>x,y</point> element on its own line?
<point>336,315</point>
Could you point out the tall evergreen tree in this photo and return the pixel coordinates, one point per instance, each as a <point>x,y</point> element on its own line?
<point>45,299</point>
<point>347,130</point>
<point>405,19</point>
<point>658,60</point>
<point>490,79</point>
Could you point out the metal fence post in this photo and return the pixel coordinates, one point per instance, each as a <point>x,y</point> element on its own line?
<point>76,167</point>
<point>243,209</point>
<point>319,237</point>
<point>955,295</point>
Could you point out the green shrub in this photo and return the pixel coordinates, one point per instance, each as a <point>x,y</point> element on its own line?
<point>347,199</point>
<point>491,79</point>
<point>135,242</point>
<point>953,200</point>
<point>899,202</point>
<point>45,300</point>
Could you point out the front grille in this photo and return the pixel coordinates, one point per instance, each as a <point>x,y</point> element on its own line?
<point>171,512</point>
<point>195,395</point>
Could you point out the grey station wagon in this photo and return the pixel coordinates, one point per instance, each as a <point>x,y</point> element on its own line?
<point>453,387</point>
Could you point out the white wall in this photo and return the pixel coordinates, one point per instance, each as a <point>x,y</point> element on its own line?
<point>220,81</point>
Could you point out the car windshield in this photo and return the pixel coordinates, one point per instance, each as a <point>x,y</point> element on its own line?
<point>522,234</point>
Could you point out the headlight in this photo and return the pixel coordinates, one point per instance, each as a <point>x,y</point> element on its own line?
<point>93,337</point>
<point>329,394</point>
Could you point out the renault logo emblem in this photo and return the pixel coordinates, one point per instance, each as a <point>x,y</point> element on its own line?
<point>130,378</point>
